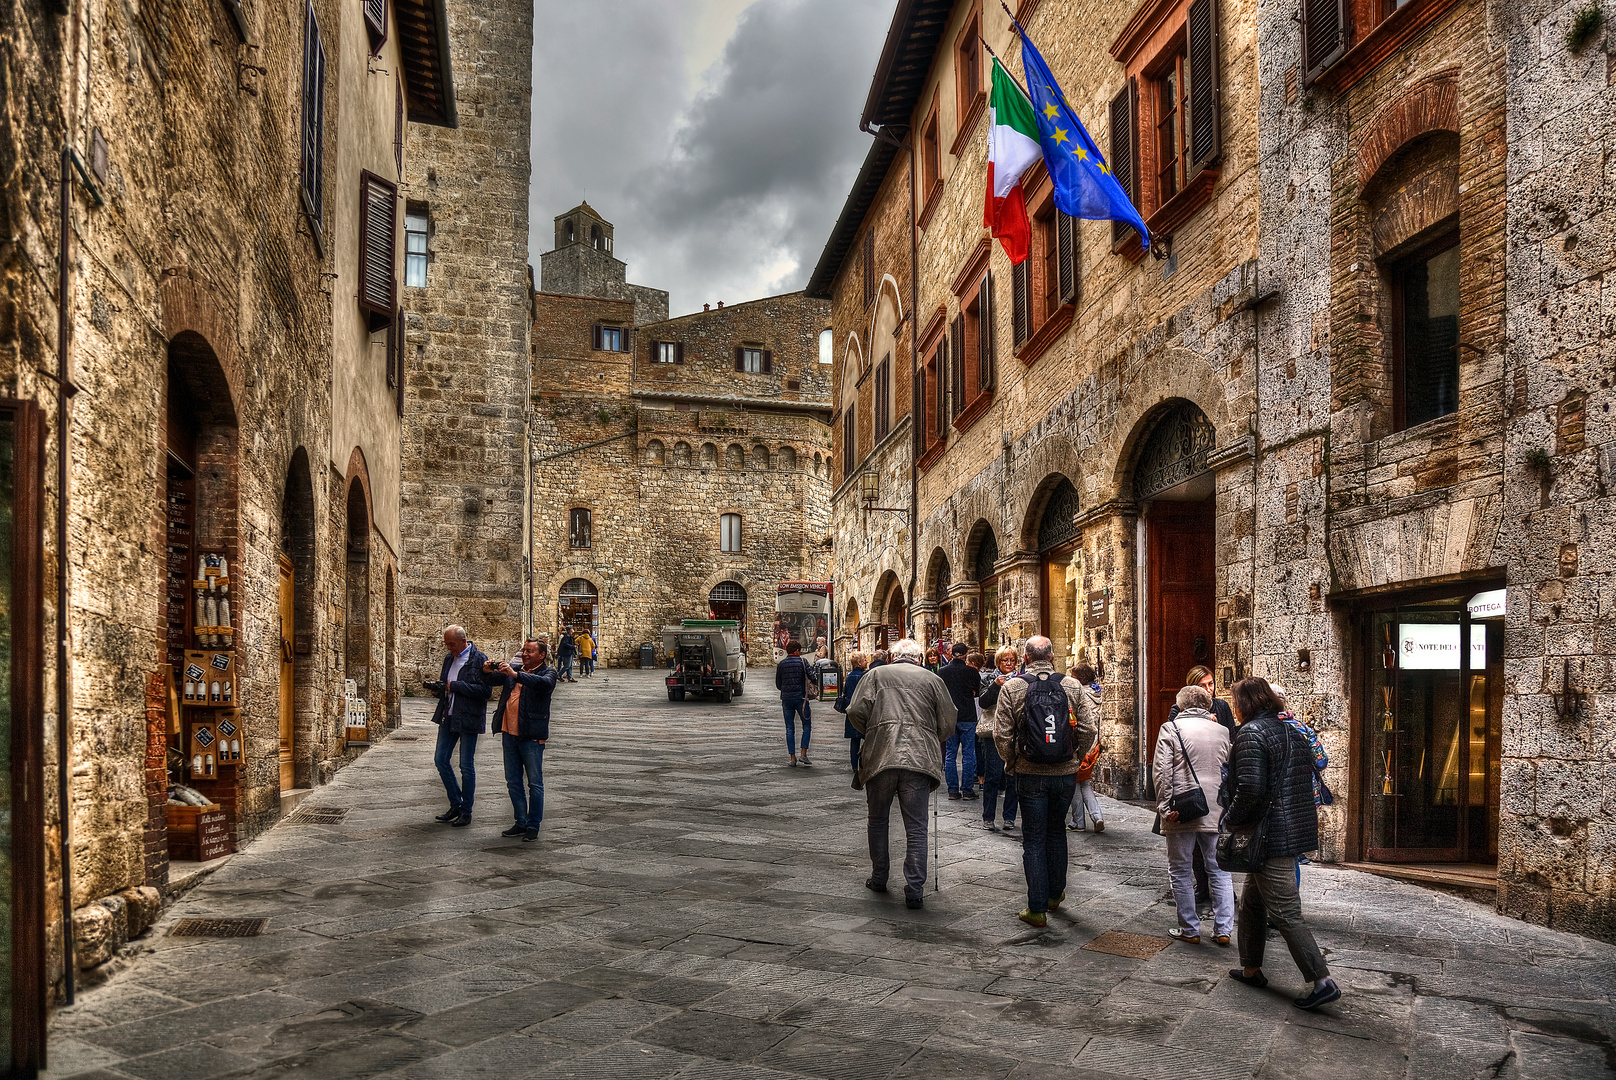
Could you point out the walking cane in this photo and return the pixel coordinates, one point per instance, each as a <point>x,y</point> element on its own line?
<point>936,847</point>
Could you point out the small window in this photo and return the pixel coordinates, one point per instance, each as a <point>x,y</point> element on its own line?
<point>849,441</point>
<point>572,231</point>
<point>827,346</point>
<point>883,397</point>
<point>610,338</point>
<point>595,237</point>
<point>1168,85</point>
<point>729,532</point>
<point>312,170</point>
<point>580,523</point>
<point>668,352</point>
<point>415,251</point>
<point>931,159</point>
<point>1425,293</point>
<point>376,24</point>
<point>753,361</point>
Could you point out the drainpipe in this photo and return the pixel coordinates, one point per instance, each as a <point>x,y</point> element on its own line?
<point>914,362</point>
<point>64,390</point>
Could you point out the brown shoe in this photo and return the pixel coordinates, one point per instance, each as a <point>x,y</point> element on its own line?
<point>1099,826</point>
<point>1188,937</point>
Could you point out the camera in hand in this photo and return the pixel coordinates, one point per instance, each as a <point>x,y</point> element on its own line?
<point>435,687</point>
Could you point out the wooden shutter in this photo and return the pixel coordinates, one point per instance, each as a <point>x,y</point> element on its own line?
<point>956,375</point>
<point>917,409</point>
<point>596,337</point>
<point>1324,36</point>
<point>378,246</point>
<point>942,387</point>
<point>740,358</point>
<point>679,352</point>
<point>986,361</point>
<point>398,127</point>
<point>1066,257</point>
<point>1122,153</point>
<point>392,348</point>
<point>376,23</point>
<point>768,361</point>
<point>313,165</point>
<point>1020,287</point>
<point>1206,91</point>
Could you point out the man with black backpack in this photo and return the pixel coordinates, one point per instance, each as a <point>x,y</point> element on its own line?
<point>1042,728</point>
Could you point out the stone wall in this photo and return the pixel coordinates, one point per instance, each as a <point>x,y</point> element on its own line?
<point>466,365</point>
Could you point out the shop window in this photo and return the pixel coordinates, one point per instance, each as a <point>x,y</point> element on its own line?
<point>883,397</point>
<point>610,338</point>
<point>580,527</point>
<point>1425,312</point>
<point>311,183</point>
<point>729,532</point>
<point>415,247</point>
<point>754,361</point>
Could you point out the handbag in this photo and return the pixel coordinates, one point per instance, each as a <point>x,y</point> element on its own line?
<point>1190,804</point>
<point>1244,851</point>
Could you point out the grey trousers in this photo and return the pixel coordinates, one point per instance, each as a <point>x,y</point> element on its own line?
<point>1270,897</point>
<point>912,790</point>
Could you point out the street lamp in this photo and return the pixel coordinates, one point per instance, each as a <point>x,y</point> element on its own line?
<point>870,491</point>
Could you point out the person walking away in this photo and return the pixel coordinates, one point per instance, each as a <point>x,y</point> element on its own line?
<point>964,684</point>
<point>586,652</point>
<point>524,728</point>
<point>880,658</point>
<point>1190,754</point>
<point>1202,676</point>
<point>905,714</point>
<point>983,680</point>
<point>791,677</point>
<point>461,716</point>
<point>1085,804</point>
<point>860,664</point>
<point>995,782</point>
<point>1271,777</point>
<point>566,651</point>
<point>1043,727</point>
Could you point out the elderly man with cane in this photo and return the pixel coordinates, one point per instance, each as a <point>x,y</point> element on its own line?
<point>905,714</point>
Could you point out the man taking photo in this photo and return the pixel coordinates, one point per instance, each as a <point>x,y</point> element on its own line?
<point>524,727</point>
<point>461,717</point>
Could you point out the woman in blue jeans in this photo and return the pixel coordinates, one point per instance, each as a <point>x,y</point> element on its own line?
<point>860,663</point>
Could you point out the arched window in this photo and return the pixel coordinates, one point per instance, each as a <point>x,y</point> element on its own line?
<point>729,532</point>
<point>681,453</point>
<point>594,237</point>
<point>655,454</point>
<point>787,459</point>
<point>760,457</point>
<point>709,455</point>
<point>734,458</point>
<point>580,526</point>
<point>827,345</point>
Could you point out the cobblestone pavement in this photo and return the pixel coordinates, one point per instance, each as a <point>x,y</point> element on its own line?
<point>695,910</point>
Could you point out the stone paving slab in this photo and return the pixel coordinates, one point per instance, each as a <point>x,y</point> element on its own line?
<point>694,910</point>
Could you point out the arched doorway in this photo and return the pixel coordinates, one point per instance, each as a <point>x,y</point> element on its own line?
<point>894,626</point>
<point>296,595</point>
<point>357,667</point>
<point>1175,487</point>
<point>850,625</point>
<point>941,580</point>
<point>728,601</point>
<point>580,608</point>
<point>1060,571</point>
<point>987,582</point>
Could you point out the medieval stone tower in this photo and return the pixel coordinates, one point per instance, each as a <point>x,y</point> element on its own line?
<point>468,306</point>
<point>582,264</point>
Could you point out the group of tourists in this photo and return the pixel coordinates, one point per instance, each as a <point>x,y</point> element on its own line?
<point>572,646</point>
<point>1029,735</point>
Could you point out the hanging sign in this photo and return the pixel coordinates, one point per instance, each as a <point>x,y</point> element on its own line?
<point>1488,605</point>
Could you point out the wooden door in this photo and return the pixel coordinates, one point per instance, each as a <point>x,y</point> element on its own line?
<point>288,776</point>
<point>1180,611</point>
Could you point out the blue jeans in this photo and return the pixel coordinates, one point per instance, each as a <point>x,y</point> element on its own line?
<point>792,707</point>
<point>461,794</point>
<point>963,745</point>
<point>525,756</point>
<point>1180,873</point>
<point>566,667</point>
<point>853,744</point>
<point>995,781</point>
<point>1044,801</point>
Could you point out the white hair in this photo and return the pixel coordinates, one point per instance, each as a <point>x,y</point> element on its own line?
<point>456,631</point>
<point>1194,697</point>
<point>1279,692</point>
<point>1038,648</point>
<point>908,649</point>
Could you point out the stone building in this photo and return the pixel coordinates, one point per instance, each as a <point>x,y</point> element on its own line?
<point>1341,429</point>
<point>222,312</point>
<point>680,466</point>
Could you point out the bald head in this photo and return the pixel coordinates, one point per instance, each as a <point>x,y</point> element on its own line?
<point>1040,648</point>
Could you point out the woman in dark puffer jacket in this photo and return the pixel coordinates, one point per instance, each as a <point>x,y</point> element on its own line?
<point>1271,769</point>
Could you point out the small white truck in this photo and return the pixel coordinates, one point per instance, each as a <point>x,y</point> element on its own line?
<point>707,659</point>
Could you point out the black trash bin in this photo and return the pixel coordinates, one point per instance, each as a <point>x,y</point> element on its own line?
<point>647,655</point>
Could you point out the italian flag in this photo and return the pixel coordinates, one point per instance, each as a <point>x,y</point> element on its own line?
<point>1012,148</point>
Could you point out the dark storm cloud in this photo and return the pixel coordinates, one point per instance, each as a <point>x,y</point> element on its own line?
<point>722,187</point>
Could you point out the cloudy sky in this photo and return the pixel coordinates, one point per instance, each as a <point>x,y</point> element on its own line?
<point>719,137</point>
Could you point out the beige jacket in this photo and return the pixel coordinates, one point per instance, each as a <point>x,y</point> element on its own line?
<point>905,714</point>
<point>1012,703</point>
<point>1208,744</point>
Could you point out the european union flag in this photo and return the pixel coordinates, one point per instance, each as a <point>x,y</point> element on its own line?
<point>1084,186</point>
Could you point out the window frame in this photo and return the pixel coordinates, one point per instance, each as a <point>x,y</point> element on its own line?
<point>970,97</point>
<point>1393,271</point>
<point>675,352</point>
<point>1047,286</point>
<point>623,334</point>
<point>976,368</point>
<point>311,165</point>
<point>577,515</point>
<point>850,457</point>
<point>883,398</point>
<point>743,360</point>
<point>932,419</point>
<point>931,165</point>
<point>731,534</point>
<point>869,266</point>
<point>412,257</point>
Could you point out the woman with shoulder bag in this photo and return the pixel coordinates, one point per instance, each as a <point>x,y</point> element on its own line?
<point>1190,752</point>
<point>1270,822</point>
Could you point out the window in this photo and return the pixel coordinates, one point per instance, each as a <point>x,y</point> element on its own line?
<point>1170,111</point>
<point>754,360</point>
<point>931,167</point>
<point>668,352</point>
<point>1122,155</point>
<point>1044,289</point>
<point>415,248</point>
<point>883,397</point>
<point>974,368</point>
<point>572,231</point>
<point>378,246</point>
<point>827,346</point>
<point>580,523</point>
<point>1425,303</point>
<point>869,267</point>
<point>729,532</point>
<point>1324,36</point>
<point>610,338</point>
<point>849,441</point>
<point>376,23</point>
<point>969,96</point>
<point>312,170</point>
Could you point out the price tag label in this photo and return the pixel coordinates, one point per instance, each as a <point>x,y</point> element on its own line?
<point>221,661</point>
<point>193,672</point>
<point>204,737</point>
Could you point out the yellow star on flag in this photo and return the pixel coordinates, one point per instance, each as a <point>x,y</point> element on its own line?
<point>1051,112</point>
<point>1082,153</point>
<point>1060,135</point>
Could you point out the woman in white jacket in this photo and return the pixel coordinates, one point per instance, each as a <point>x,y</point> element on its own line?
<point>1190,752</point>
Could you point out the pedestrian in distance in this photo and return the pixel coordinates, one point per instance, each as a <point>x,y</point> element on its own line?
<point>860,663</point>
<point>1085,804</point>
<point>791,677</point>
<point>1271,794</point>
<point>1043,726</point>
<point>964,683</point>
<point>524,728</point>
<point>566,652</point>
<point>461,716</point>
<point>1191,750</point>
<point>905,714</point>
<point>995,783</point>
<point>931,661</point>
<point>880,658</point>
<point>586,652</point>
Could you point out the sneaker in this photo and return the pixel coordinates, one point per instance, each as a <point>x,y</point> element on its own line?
<point>1188,937</point>
<point>514,830</point>
<point>1039,920</point>
<point>449,814</point>
<point>954,796</point>
<point>987,823</point>
<point>804,757</point>
<point>1323,992</point>
<point>1075,828</point>
<point>530,834</point>
<point>1010,827</point>
<point>793,761</point>
<point>1099,826</point>
<point>1222,939</point>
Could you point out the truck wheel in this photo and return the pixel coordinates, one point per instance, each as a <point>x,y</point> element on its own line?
<point>724,695</point>
<point>676,695</point>
<point>739,689</point>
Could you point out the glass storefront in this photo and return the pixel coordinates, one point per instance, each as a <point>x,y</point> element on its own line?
<point>1432,730</point>
<point>1062,624</point>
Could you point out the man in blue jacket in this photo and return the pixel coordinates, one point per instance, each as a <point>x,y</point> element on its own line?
<point>523,721</point>
<point>462,704</point>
